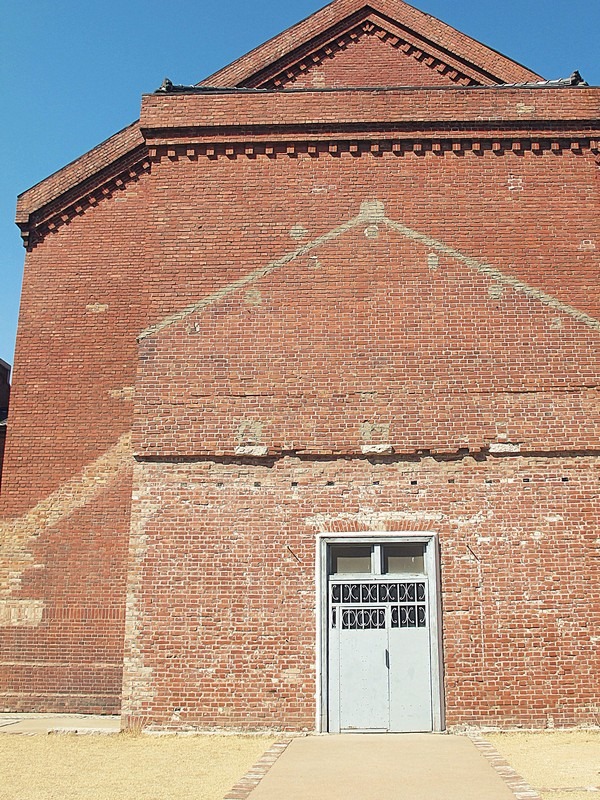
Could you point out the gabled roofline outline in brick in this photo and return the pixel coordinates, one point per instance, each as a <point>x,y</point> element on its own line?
<point>372,212</point>
<point>264,62</point>
<point>304,59</point>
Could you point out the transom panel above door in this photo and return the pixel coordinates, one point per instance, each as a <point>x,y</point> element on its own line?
<point>380,636</point>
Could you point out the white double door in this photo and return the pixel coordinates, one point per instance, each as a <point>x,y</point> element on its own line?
<point>379,656</point>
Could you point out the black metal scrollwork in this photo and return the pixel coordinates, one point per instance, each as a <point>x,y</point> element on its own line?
<point>363,618</point>
<point>409,609</point>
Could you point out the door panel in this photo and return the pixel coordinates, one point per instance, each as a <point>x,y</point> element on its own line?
<point>363,671</point>
<point>410,659</point>
<point>379,656</point>
<point>410,680</point>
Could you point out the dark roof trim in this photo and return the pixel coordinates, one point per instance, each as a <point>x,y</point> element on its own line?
<point>168,87</point>
<point>574,79</point>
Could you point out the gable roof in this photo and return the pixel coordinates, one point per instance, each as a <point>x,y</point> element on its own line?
<point>412,28</point>
<point>424,46</point>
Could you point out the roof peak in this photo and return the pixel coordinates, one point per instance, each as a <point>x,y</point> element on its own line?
<point>429,36</point>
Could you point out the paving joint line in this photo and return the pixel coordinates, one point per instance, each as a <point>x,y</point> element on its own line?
<point>242,789</point>
<point>515,782</point>
<point>567,789</point>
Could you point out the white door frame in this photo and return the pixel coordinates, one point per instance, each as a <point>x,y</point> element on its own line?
<point>432,568</point>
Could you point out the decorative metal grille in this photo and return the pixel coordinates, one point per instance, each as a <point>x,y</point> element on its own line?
<point>409,616</point>
<point>405,600</point>
<point>413,592</point>
<point>363,619</point>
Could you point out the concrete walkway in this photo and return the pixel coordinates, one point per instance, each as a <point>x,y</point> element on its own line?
<point>382,767</point>
<point>58,723</point>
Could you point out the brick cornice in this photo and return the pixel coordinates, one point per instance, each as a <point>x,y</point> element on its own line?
<point>89,164</point>
<point>269,114</point>
<point>359,121</point>
<point>264,62</point>
<point>316,123</point>
<point>81,184</point>
<point>88,194</point>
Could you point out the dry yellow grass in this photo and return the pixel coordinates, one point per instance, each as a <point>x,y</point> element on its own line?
<point>554,760</point>
<point>124,767</point>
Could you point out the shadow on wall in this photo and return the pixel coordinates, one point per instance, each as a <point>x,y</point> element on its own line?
<point>4,400</point>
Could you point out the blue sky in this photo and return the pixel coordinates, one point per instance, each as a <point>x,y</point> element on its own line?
<point>72,73</point>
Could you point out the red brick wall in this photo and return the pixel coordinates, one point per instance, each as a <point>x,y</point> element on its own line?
<point>460,357</point>
<point>429,329</point>
<point>82,304</point>
<point>434,354</point>
<point>2,446</point>
<point>4,402</point>
<point>228,638</point>
<point>376,324</point>
<point>66,482</point>
<point>72,660</point>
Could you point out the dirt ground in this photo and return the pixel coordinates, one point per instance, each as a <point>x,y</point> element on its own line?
<point>124,767</point>
<point>560,765</point>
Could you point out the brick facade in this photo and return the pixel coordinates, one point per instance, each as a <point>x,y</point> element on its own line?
<point>213,644</point>
<point>278,314</point>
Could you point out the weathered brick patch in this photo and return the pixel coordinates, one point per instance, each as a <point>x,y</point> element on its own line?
<point>17,534</point>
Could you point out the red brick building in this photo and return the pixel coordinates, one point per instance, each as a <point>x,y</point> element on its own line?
<point>325,453</point>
